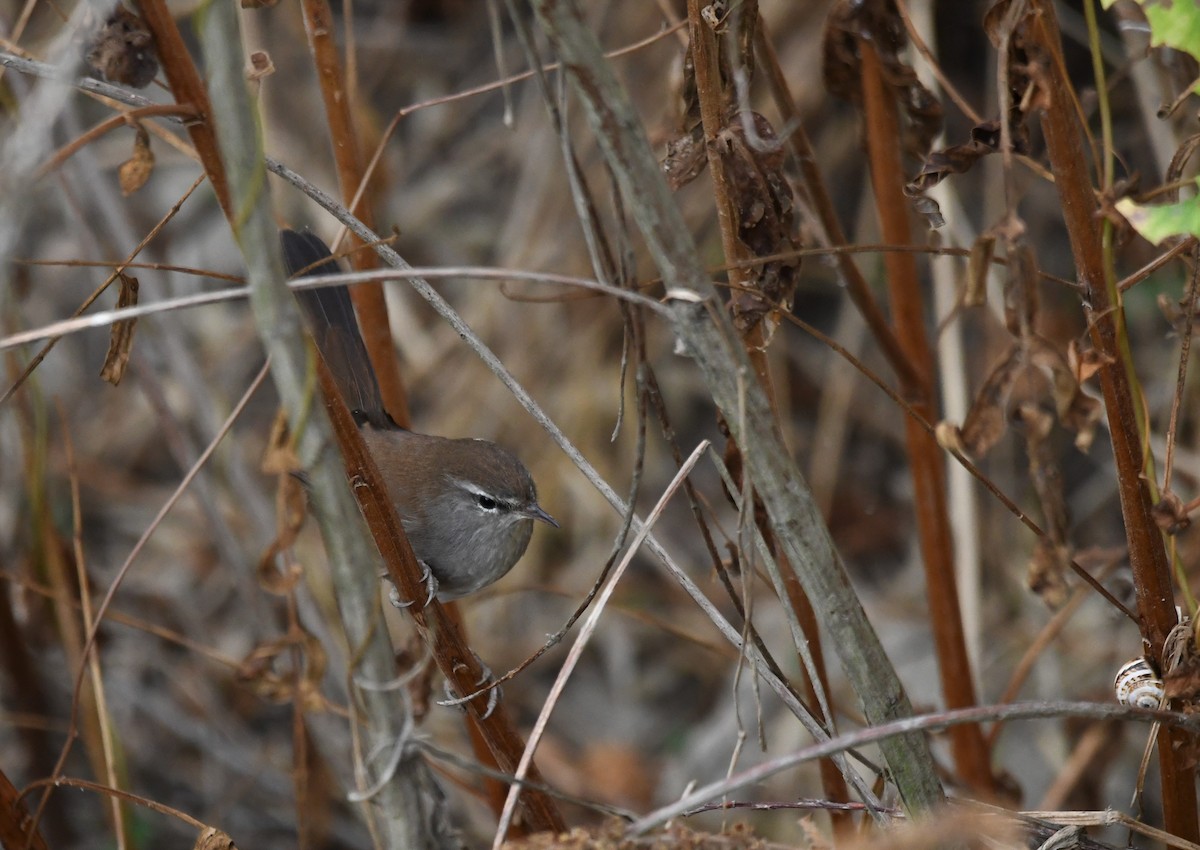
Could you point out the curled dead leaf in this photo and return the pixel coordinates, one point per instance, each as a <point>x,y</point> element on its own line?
<point>1046,575</point>
<point>752,161</point>
<point>949,437</point>
<point>135,171</point>
<point>270,670</point>
<point>1181,665</point>
<point>260,64</point>
<point>1085,363</point>
<point>956,159</point>
<point>986,421</point>
<point>850,22</point>
<point>120,338</point>
<point>211,838</point>
<point>1169,513</point>
<point>685,158</point>
<point>1020,289</point>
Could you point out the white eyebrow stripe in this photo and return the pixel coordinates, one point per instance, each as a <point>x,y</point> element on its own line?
<point>476,490</point>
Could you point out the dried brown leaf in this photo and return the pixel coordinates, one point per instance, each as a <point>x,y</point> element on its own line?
<point>1169,513</point>
<point>879,22</point>
<point>930,210</point>
<point>135,171</point>
<point>957,159</point>
<point>1020,286</point>
<point>123,50</point>
<point>260,63</point>
<point>978,266</point>
<point>120,338</point>
<point>1051,558</point>
<point>211,838</point>
<point>762,199</point>
<point>1181,677</point>
<point>1046,575</point>
<point>269,670</point>
<point>685,159</point>
<point>1085,363</point>
<point>1077,411</point>
<point>986,421</point>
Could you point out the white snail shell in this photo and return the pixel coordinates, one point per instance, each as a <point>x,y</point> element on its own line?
<point>1138,685</point>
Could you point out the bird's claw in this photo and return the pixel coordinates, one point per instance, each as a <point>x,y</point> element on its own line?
<point>427,578</point>
<point>430,580</point>
<point>493,693</point>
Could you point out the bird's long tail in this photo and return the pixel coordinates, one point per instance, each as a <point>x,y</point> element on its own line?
<point>331,320</point>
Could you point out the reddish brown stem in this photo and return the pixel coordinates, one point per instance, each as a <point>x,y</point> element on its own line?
<point>856,285</point>
<point>189,91</point>
<point>710,95</point>
<point>1147,554</point>
<point>453,656</point>
<point>17,829</point>
<point>121,119</point>
<point>368,298</point>
<point>925,457</point>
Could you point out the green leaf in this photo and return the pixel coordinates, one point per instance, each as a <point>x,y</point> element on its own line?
<point>1157,223</point>
<point>1173,23</point>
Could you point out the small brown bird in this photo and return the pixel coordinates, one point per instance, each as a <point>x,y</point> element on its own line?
<point>466,505</point>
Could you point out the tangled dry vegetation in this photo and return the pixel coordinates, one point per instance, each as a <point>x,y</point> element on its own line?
<point>943,377</point>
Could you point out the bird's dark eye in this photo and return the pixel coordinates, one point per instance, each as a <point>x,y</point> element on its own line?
<point>487,502</point>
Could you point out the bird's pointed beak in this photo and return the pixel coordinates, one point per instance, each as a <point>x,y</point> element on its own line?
<point>536,512</point>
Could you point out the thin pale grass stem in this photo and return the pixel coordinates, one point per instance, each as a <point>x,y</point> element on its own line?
<point>53,338</point>
<point>101,264</point>
<point>502,84</point>
<point>128,564</point>
<point>934,722</point>
<point>103,718</point>
<point>586,630</point>
<point>149,628</point>
<point>106,126</point>
<point>958,456</point>
<point>56,330</point>
<point>1185,347</point>
<point>51,783</point>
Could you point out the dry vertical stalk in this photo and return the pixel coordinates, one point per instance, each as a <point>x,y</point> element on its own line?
<point>188,89</point>
<point>744,179</point>
<point>454,657</point>
<point>368,298</point>
<point>856,285</point>
<point>874,30</point>
<point>1038,29</point>
<point>411,812</point>
<point>705,332</point>
<point>16,827</point>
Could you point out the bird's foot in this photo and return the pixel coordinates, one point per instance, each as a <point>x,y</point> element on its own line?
<point>427,578</point>
<point>484,683</point>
